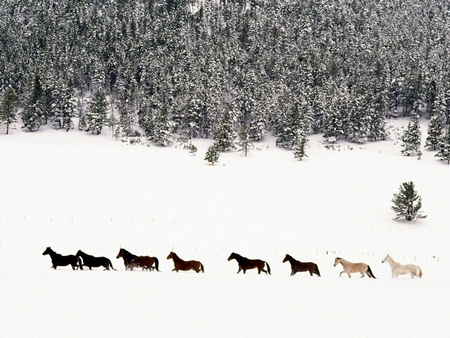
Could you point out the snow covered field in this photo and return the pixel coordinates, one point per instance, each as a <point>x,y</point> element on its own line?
<point>76,191</point>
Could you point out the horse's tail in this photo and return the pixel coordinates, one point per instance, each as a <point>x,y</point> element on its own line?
<point>110,264</point>
<point>369,270</point>
<point>317,270</point>
<point>202,267</point>
<point>156,263</point>
<point>268,267</point>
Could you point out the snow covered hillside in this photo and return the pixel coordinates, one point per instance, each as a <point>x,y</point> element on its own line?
<point>76,191</point>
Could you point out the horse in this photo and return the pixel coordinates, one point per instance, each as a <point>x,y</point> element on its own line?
<point>400,269</point>
<point>297,266</point>
<point>60,260</point>
<point>350,267</point>
<point>94,262</point>
<point>185,265</point>
<point>127,258</point>
<point>131,261</point>
<point>246,264</point>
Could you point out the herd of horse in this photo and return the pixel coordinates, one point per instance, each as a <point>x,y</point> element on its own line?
<point>131,261</point>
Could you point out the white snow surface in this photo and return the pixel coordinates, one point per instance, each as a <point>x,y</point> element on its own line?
<point>72,190</point>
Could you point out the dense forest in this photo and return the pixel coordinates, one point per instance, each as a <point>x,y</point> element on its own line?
<point>181,69</point>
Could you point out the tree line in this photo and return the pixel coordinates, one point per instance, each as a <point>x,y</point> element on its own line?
<point>187,69</point>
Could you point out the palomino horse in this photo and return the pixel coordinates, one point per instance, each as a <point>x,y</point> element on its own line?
<point>94,262</point>
<point>297,266</point>
<point>400,269</point>
<point>246,264</point>
<point>350,267</point>
<point>60,260</point>
<point>144,262</point>
<point>185,265</point>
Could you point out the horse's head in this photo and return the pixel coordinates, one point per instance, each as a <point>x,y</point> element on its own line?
<point>286,258</point>
<point>386,259</point>
<point>47,251</point>
<point>79,253</point>
<point>171,255</point>
<point>121,253</point>
<point>337,261</point>
<point>232,256</point>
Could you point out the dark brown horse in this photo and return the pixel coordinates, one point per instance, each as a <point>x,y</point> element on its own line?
<point>127,258</point>
<point>94,262</point>
<point>297,266</point>
<point>246,264</point>
<point>144,262</point>
<point>60,260</point>
<point>185,265</point>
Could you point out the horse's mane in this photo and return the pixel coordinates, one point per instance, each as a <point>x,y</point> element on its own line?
<point>129,254</point>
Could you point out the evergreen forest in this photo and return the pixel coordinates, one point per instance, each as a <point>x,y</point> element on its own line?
<point>183,69</point>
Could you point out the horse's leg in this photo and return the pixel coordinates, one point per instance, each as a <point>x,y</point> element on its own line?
<point>293,272</point>
<point>341,273</point>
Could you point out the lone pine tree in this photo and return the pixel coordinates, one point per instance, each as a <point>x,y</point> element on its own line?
<point>407,203</point>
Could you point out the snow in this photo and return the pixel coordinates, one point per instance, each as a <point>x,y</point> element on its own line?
<point>76,191</point>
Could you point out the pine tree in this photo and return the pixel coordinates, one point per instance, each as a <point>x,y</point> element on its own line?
<point>435,128</point>
<point>299,148</point>
<point>224,131</point>
<point>212,154</point>
<point>407,203</point>
<point>96,114</point>
<point>8,108</point>
<point>162,127</point>
<point>412,137</point>
<point>444,147</point>
<point>244,143</point>
<point>33,111</point>
<point>63,108</point>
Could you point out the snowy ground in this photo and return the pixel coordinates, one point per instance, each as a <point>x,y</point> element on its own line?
<point>76,191</point>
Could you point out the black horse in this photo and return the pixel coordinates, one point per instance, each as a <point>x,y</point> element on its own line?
<point>246,264</point>
<point>94,262</point>
<point>60,260</point>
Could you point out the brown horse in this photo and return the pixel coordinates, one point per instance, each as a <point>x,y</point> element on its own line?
<point>60,260</point>
<point>131,261</point>
<point>297,266</point>
<point>350,268</point>
<point>246,264</point>
<point>185,265</point>
<point>94,262</point>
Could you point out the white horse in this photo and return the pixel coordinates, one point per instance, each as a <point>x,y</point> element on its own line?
<point>350,268</point>
<point>400,269</point>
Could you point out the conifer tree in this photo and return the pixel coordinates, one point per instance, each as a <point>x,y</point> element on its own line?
<point>33,111</point>
<point>162,127</point>
<point>407,203</point>
<point>435,128</point>
<point>444,147</point>
<point>8,108</point>
<point>212,154</point>
<point>224,131</point>
<point>244,143</point>
<point>63,108</point>
<point>412,137</point>
<point>96,114</point>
